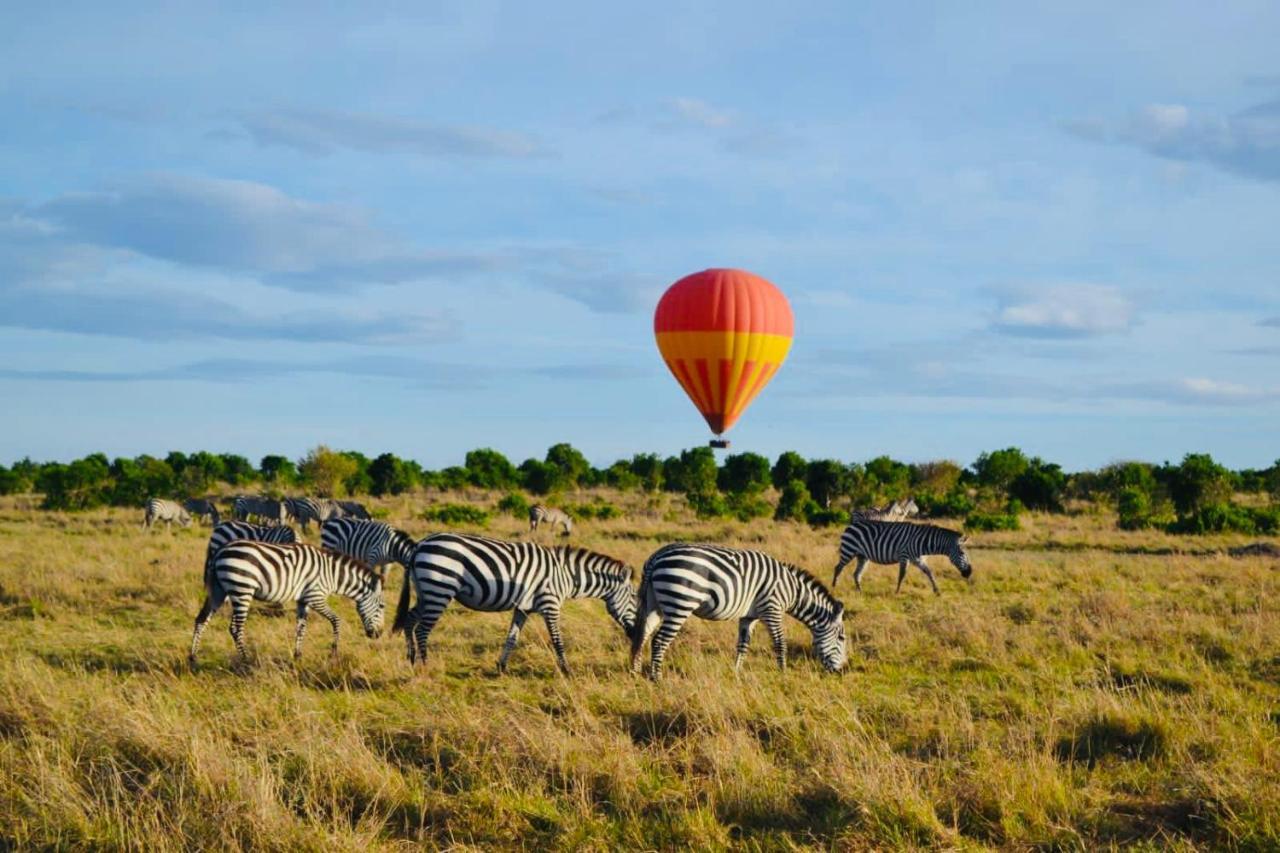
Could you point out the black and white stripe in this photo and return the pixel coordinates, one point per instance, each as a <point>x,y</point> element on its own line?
<point>244,571</point>
<point>203,508</point>
<point>263,509</point>
<point>900,542</point>
<point>159,509</point>
<point>306,510</point>
<point>539,514</point>
<point>491,574</point>
<point>352,509</point>
<point>717,583</point>
<point>229,531</point>
<point>894,511</point>
<point>370,542</point>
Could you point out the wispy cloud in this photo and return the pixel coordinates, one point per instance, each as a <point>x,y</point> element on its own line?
<point>1196,391</point>
<point>1246,143</point>
<point>322,132</point>
<point>1062,310</point>
<point>1273,322</point>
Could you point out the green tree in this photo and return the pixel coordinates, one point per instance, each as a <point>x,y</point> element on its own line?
<point>1040,486</point>
<point>693,473</point>
<point>826,479</point>
<point>358,482</point>
<point>1271,477</point>
<point>574,467</point>
<point>389,475</point>
<point>935,478</point>
<point>278,471</point>
<point>136,480</point>
<point>620,476</point>
<point>201,471</point>
<point>541,478</point>
<point>489,469</point>
<point>790,466</point>
<point>744,474</point>
<point>326,471</point>
<point>1000,468</point>
<point>892,478</point>
<point>796,503</point>
<point>84,484</point>
<point>236,470</point>
<point>1197,483</point>
<point>1134,505</point>
<point>648,468</point>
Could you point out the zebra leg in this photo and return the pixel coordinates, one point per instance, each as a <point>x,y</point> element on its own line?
<point>643,633</point>
<point>239,613</point>
<point>924,567</point>
<point>551,615</point>
<point>671,625</point>
<point>212,602</point>
<point>300,630</point>
<point>773,621</point>
<point>857,572</point>
<point>902,573</point>
<point>513,634</point>
<point>427,613</point>
<point>835,576</point>
<point>319,605</point>
<point>745,627</point>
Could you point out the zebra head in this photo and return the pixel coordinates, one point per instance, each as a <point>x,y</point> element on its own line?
<point>960,558</point>
<point>369,601</point>
<point>184,518</point>
<point>829,641</point>
<point>610,580</point>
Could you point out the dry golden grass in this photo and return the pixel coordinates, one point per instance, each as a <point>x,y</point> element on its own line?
<point>1069,698</point>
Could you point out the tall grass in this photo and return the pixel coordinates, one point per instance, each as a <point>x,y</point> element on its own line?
<point>1067,699</point>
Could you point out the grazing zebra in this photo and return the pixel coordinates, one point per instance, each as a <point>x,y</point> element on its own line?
<point>370,542</point>
<point>203,508</point>
<point>304,510</point>
<point>264,509</point>
<point>229,531</point>
<point>895,511</point>
<point>539,514</point>
<point>352,509</point>
<point>490,574</point>
<point>159,509</point>
<point>901,542</point>
<point>729,583</point>
<point>244,570</point>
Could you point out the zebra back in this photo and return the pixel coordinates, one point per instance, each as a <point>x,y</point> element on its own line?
<point>371,541</point>
<point>230,531</point>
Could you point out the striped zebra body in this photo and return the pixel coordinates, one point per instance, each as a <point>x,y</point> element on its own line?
<point>491,574</point>
<point>306,510</point>
<point>263,509</point>
<point>894,511</point>
<point>900,542</point>
<point>229,531</point>
<point>371,542</point>
<point>717,583</point>
<point>352,509</point>
<point>159,509</point>
<point>203,508</point>
<point>539,514</point>
<point>245,570</point>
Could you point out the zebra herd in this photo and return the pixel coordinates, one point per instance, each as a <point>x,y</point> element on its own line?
<point>260,509</point>
<point>246,562</point>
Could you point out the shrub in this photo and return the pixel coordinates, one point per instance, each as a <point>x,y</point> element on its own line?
<point>489,469</point>
<point>954,504</point>
<point>795,503</point>
<point>327,471</point>
<point>457,515</point>
<point>1228,518</point>
<point>819,517</point>
<point>746,473</point>
<point>708,504</point>
<point>745,507</point>
<point>987,521</point>
<point>601,510</point>
<point>514,504</point>
<point>1134,506</point>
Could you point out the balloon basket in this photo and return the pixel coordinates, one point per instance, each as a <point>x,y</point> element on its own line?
<point>718,443</point>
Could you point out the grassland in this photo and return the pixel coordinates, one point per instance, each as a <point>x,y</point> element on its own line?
<point>1093,688</point>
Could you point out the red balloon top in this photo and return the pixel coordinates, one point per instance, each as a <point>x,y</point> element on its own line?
<point>718,300</point>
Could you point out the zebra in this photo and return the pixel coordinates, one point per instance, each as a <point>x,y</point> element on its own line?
<point>901,542</point>
<point>159,509</point>
<point>202,507</point>
<point>352,509</point>
<point>304,510</point>
<point>370,542</point>
<point>491,574</point>
<point>229,531</point>
<point>895,511</point>
<point>721,583</point>
<point>539,514</point>
<point>262,508</point>
<point>245,570</point>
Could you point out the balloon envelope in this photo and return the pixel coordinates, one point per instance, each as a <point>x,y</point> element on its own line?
<point>723,333</point>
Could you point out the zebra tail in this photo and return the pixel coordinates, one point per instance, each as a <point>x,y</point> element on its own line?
<point>402,608</point>
<point>642,615</point>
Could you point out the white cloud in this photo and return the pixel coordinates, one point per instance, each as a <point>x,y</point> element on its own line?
<point>1063,310</point>
<point>700,113</point>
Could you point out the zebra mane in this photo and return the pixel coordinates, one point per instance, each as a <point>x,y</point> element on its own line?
<point>609,565</point>
<point>359,565</point>
<point>812,583</point>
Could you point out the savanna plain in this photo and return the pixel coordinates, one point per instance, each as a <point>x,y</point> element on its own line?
<point>1092,688</point>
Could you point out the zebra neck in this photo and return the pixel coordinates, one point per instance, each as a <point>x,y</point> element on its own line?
<point>808,607</point>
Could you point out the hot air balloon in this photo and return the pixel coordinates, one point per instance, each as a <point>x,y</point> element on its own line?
<point>723,333</point>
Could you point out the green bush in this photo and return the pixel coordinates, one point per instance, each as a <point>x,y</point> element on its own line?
<point>1228,518</point>
<point>708,504</point>
<point>457,515</point>
<point>819,517</point>
<point>795,503</point>
<point>987,521</point>
<point>600,510</point>
<point>954,504</point>
<point>514,504</point>
<point>745,507</point>
<point>1134,506</point>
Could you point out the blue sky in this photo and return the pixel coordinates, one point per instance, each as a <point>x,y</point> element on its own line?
<point>430,227</point>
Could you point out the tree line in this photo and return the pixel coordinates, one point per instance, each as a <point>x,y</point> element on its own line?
<point>1196,495</point>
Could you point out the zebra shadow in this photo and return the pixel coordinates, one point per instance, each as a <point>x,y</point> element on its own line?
<point>115,660</point>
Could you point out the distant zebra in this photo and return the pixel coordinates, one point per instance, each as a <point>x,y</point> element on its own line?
<point>894,511</point>
<point>353,509</point>
<point>539,514</point>
<point>719,583</point>
<point>305,510</point>
<point>203,508</point>
<point>243,571</point>
<point>159,509</point>
<point>901,542</point>
<point>263,509</point>
<point>370,542</point>
<point>490,574</point>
